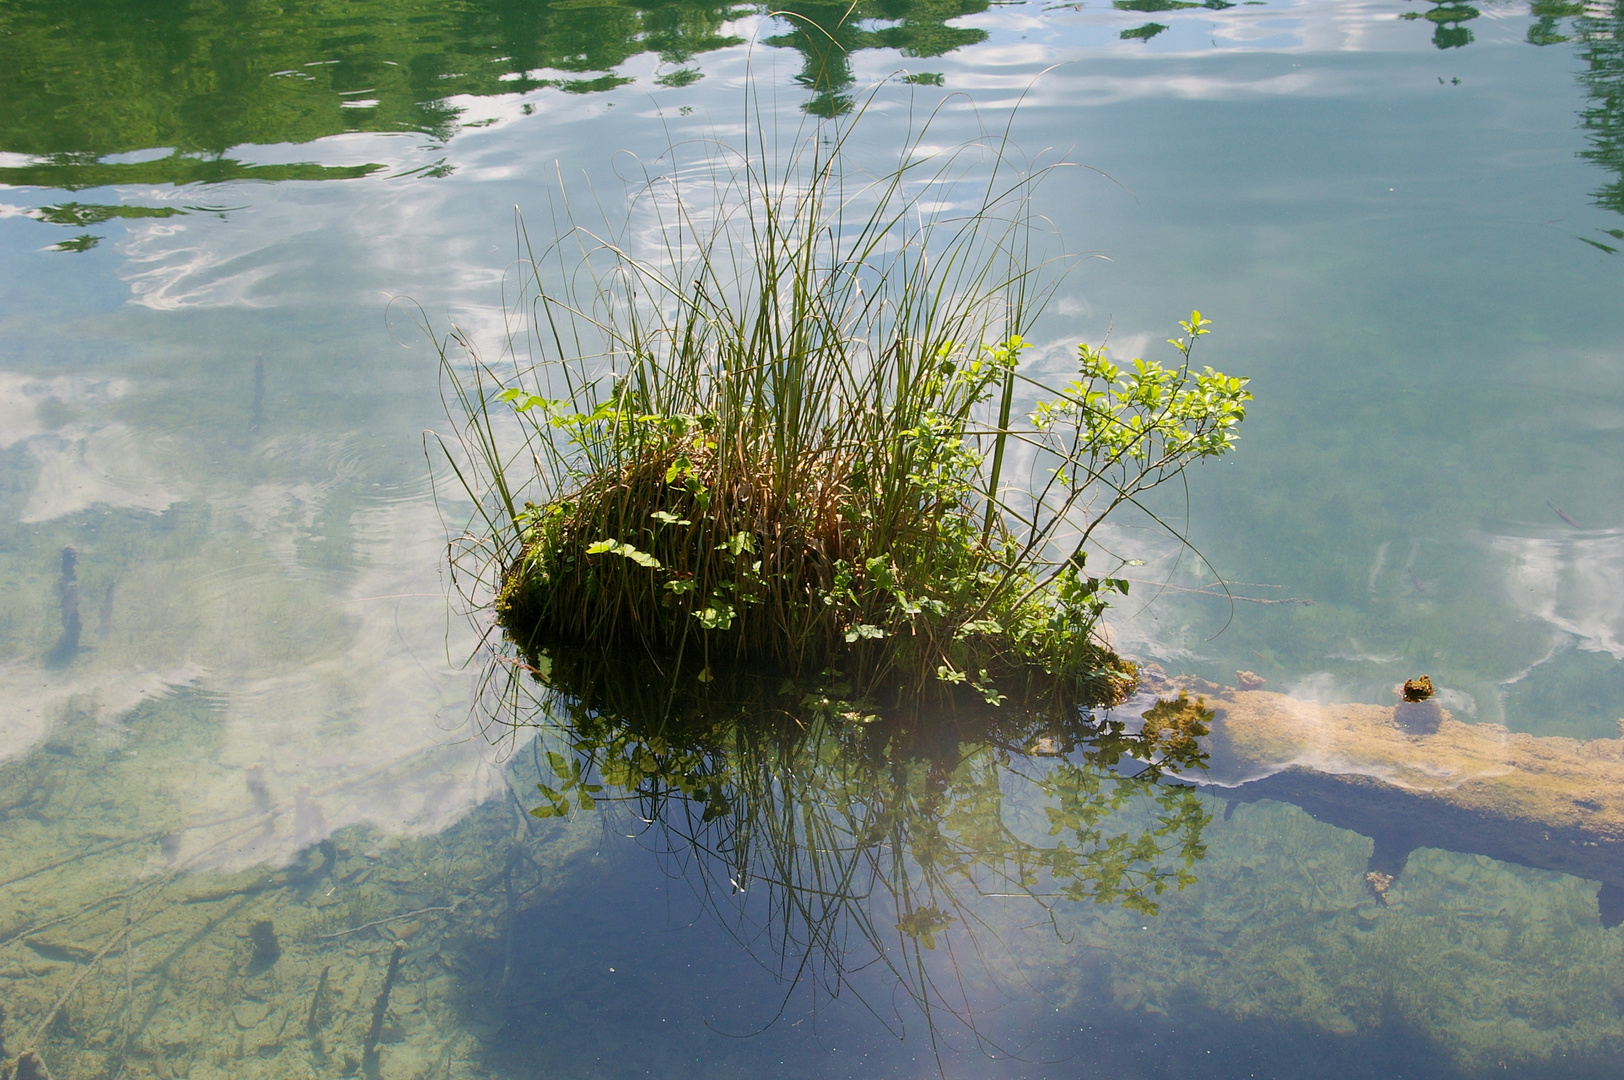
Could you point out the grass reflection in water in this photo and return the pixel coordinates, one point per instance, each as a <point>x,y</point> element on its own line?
<point>833,844</point>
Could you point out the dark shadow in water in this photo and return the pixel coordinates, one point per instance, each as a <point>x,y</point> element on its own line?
<point>617,972</point>
<point>67,590</point>
<point>844,850</point>
<point>1399,820</point>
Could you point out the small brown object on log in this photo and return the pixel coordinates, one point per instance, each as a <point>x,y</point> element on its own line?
<point>1419,689</point>
<point>1247,680</point>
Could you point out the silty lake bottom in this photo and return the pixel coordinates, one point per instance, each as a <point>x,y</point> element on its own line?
<point>257,817</point>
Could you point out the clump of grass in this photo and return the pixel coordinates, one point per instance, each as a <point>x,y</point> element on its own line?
<point>768,420</point>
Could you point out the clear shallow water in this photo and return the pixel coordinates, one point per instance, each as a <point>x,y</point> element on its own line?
<point>211,409</point>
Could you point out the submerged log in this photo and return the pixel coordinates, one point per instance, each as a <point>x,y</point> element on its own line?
<point>1412,776</point>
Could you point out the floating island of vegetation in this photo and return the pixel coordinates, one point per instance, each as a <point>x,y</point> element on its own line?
<point>779,418</point>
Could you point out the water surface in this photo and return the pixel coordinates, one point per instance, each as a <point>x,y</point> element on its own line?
<point>244,698</point>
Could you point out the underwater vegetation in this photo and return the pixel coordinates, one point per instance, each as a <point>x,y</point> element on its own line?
<point>772,421</point>
<point>125,951</point>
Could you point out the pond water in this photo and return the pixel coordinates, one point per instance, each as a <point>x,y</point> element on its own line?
<point>255,816</point>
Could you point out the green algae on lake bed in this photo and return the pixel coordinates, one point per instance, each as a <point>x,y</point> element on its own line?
<point>192,984</point>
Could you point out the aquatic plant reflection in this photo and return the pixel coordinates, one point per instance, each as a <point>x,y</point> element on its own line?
<point>1601,31</point>
<point>1448,19</point>
<point>831,841</point>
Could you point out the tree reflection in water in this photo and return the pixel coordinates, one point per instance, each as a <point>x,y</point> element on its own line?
<point>1598,28</point>
<point>826,34</point>
<point>831,842</point>
<point>80,83</point>
<point>1448,19</point>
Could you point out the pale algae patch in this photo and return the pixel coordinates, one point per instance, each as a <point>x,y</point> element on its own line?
<point>1483,962</point>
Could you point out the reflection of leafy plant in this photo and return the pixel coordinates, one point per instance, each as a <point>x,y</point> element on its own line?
<point>1602,33</point>
<point>1599,28</point>
<point>849,840</point>
<point>567,774</point>
<point>111,76</point>
<point>76,171</point>
<point>1143,33</point>
<point>827,34</point>
<point>1548,15</point>
<point>1447,16</point>
<point>681,77</point>
<point>83,242</point>
<point>81,215</point>
<point>103,77</point>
